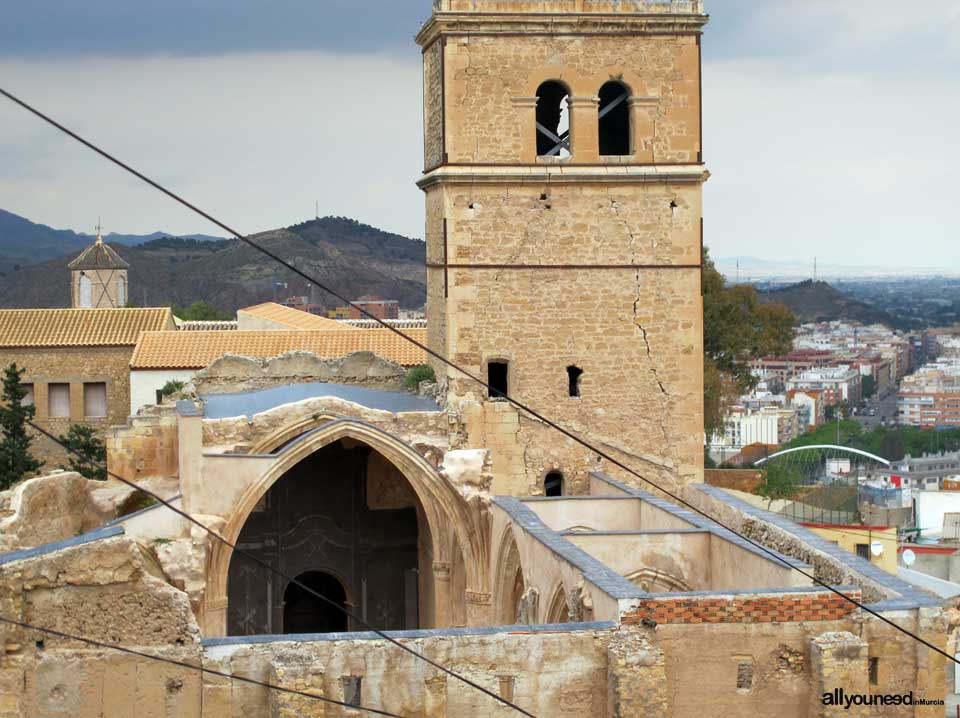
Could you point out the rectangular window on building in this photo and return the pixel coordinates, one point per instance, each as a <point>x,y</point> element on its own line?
<point>874,669</point>
<point>497,373</point>
<point>28,400</point>
<point>95,400</point>
<point>863,550</point>
<point>58,401</point>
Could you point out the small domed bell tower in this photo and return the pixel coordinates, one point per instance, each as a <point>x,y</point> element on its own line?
<point>98,277</point>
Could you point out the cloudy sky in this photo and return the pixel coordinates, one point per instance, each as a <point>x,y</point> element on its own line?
<point>830,125</point>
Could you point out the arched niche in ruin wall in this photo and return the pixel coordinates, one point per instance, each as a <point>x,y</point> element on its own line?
<point>451,522</point>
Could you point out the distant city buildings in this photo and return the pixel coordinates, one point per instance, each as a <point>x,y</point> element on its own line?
<point>930,398</point>
<point>832,363</point>
<point>835,384</point>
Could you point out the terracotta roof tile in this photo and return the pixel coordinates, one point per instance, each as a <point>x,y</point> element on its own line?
<point>293,318</point>
<point>79,327</point>
<point>196,350</point>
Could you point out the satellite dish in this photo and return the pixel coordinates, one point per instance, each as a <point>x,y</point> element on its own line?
<point>876,548</point>
<point>909,557</point>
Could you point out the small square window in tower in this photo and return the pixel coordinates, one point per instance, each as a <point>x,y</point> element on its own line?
<point>497,378</point>
<point>574,374</point>
<point>614,125</point>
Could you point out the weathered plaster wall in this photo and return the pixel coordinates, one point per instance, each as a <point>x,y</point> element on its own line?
<point>233,373</point>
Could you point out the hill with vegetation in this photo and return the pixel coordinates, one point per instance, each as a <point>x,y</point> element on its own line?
<point>352,258</point>
<point>819,301</point>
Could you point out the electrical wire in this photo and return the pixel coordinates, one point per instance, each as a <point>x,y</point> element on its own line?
<point>260,562</point>
<point>193,667</point>
<point>439,357</point>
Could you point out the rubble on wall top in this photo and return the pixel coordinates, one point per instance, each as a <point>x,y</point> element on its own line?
<point>643,7</point>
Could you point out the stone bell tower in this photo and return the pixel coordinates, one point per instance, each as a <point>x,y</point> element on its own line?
<point>98,277</point>
<point>563,178</point>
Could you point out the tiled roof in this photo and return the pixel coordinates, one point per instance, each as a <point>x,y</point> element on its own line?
<point>79,327</point>
<point>292,318</point>
<point>196,350</point>
<point>98,256</point>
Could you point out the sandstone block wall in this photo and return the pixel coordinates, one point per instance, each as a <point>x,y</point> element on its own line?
<point>635,333</point>
<point>556,674</point>
<point>144,447</point>
<point>546,263</point>
<point>73,366</point>
<point>491,80</point>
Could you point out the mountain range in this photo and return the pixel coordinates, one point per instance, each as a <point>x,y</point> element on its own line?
<point>351,258</point>
<point>23,242</point>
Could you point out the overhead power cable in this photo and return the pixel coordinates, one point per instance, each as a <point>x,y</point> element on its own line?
<point>288,579</point>
<point>495,392</point>
<point>193,667</point>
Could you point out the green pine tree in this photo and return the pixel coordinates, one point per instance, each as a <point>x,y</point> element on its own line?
<point>16,462</point>
<point>88,453</point>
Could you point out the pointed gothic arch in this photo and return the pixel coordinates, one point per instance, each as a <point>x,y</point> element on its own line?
<point>509,584</point>
<point>446,513</point>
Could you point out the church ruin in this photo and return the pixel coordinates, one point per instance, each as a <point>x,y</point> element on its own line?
<point>563,176</point>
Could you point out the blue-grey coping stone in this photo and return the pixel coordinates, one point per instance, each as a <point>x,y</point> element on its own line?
<point>154,507</point>
<point>249,403</point>
<point>188,408</point>
<point>409,635</point>
<point>98,535</point>
<point>911,597</point>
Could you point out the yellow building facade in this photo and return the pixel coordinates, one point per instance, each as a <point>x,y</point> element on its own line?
<point>864,541</point>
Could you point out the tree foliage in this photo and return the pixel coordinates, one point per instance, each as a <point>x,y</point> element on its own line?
<point>417,374</point>
<point>737,328</point>
<point>87,452</point>
<point>890,443</point>
<point>174,386</point>
<point>780,480</point>
<point>199,311</point>
<point>16,461</point>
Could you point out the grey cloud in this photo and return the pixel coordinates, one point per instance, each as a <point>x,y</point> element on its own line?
<point>206,27</point>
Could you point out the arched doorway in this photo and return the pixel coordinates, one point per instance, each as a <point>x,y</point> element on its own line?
<point>347,509</point>
<point>303,612</point>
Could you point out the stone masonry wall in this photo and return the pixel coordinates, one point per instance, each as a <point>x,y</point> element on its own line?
<point>73,365</point>
<point>146,446</point>
<point>488,79</point>
<point>636,334</point>
<point>558,674</point>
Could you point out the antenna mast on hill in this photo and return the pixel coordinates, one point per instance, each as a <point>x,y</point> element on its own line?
<point>814,269</point>
<point>316,211</point>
